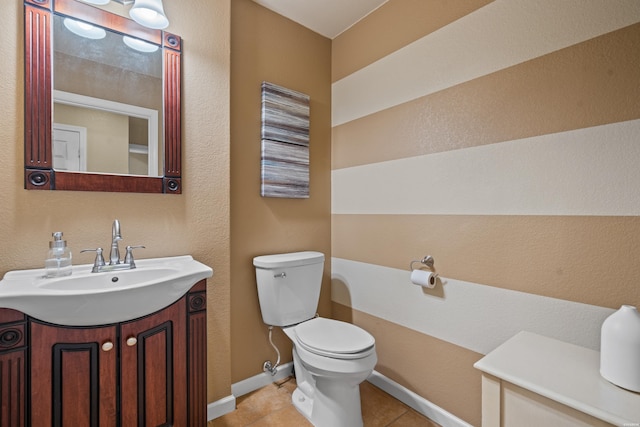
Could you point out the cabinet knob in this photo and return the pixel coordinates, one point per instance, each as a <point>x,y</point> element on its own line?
<point>107,346</point>
<point>131,341</point>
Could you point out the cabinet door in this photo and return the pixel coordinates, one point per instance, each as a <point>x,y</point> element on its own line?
<point>73,376</point>
<point>154,369</point>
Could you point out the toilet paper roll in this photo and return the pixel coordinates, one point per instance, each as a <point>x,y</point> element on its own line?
<point>424,278</point>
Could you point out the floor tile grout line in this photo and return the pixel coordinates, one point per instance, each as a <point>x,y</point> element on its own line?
<point>396,419</point>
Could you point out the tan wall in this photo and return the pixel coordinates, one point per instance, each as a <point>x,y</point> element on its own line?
<point>268,47</point>
<point>503,143</point>
<point>196,222</point>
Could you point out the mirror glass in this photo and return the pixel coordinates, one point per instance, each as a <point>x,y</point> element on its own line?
<point>107,100</point>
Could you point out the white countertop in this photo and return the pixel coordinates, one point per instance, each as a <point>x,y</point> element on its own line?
<point>566,373</point>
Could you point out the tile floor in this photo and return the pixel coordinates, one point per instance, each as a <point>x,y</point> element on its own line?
<point>271,407</point>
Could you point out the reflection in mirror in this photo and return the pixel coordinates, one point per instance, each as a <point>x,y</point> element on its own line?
<point>111,86</point>
<point>116,136</point>
<point>102,101</point>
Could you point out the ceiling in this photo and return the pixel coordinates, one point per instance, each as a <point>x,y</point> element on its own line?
<point>326,17</point>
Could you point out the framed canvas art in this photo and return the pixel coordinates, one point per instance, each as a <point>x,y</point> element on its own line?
<point>285,143</point>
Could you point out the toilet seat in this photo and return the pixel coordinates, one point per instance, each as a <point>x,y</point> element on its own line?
<point>334,339</point>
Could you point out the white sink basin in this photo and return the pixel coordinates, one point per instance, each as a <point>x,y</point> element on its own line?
<point>86,298</point>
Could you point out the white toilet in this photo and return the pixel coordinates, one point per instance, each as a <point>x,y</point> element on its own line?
<point>330,358</point>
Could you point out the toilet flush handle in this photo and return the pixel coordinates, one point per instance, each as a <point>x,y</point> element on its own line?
<point>281,275</point>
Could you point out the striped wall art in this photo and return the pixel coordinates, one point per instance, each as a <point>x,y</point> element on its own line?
<point>285,143</point>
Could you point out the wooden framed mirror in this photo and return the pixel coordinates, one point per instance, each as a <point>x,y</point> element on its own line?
<point>118,120</point>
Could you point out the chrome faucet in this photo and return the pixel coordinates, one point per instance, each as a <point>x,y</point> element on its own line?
<point>100,265</point>
<point>114,257</point>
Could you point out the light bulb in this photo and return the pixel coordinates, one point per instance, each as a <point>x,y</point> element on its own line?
<point>139,45</point>
<point>84,30</point>
<point>149,13</point>
<point>97,2</point>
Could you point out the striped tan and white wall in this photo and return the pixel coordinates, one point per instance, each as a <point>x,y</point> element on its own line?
<point>503,139</point>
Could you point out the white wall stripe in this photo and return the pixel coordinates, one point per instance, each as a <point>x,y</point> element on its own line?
<point>499,35</point>
<point>473,316</point>
<point>590,171</point>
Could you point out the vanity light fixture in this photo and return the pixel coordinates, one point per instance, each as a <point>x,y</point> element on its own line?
<point>84,30</point>
<point>97,2</point>
<point>149,13</point>
<point>139,45</point>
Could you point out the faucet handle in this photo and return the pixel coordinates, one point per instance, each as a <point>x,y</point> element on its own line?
<point>99,261</point>
<point>128,258</point>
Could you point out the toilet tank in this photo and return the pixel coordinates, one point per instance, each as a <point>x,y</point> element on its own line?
<point>289,286</point>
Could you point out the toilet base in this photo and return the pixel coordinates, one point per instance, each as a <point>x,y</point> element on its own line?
<point>327,401</point>
<point>303,403</point>
<point>324,411</point>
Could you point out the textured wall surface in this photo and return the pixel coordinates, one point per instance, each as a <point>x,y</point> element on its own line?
<point>196,222</point>
<point>268,47</point>
<point>503,141</point>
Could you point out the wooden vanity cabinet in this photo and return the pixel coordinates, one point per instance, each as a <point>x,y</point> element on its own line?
<point>145,372</point>
<point>13,368</point>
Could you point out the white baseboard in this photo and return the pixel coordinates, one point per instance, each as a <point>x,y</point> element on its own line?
<point>220,407</point>
<point>228,404</point>
<point>428,409</point>
<point>415,401</point>
<point>258,381</point>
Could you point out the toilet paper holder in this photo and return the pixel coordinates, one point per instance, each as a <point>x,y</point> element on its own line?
<point>427,261</point>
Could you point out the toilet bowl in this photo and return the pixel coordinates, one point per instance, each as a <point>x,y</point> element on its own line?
<point>330,357</point>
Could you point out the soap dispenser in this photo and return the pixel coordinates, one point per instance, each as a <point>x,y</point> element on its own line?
<point>58,262</point>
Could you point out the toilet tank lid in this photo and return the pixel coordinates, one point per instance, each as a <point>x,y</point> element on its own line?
<point>293,259</point>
